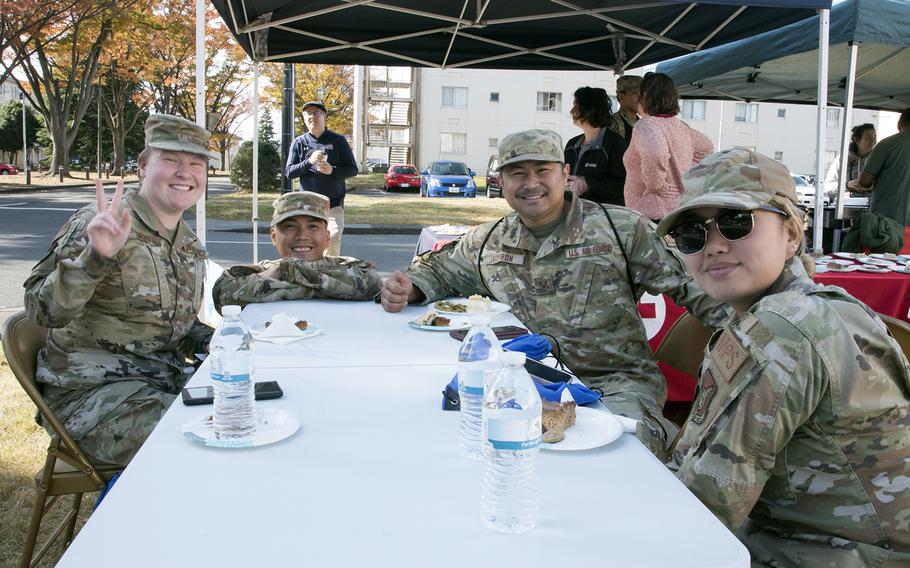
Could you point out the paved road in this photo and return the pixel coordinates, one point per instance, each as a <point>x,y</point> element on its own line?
<point>28,223</point>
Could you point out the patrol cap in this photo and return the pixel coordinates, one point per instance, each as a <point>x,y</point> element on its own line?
<point>316,104</point>
<point>736,179</point>
<point>537,145</point>
<point>628,83</point>
<point>300,203</point>
<point>169,132</point>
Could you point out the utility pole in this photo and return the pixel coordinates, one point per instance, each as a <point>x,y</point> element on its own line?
<point>287,123</point>
<point>28,172</point>
<point>98,157</point>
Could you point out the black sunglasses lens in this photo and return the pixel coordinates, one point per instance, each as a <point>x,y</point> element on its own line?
<point>689,237</point>
<point>734,225</point>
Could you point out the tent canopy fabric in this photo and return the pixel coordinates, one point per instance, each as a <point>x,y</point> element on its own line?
<point>497,34</point>
<point>782,65</point>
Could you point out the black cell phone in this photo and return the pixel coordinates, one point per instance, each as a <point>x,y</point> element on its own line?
<point>502,332</point>
<point>545,374</point>
<point>193,396</point>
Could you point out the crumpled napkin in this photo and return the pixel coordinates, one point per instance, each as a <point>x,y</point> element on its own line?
<point>283,330</point>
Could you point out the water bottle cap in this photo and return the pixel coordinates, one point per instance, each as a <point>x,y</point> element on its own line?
<point>513,358</point>
<point>227,311</point>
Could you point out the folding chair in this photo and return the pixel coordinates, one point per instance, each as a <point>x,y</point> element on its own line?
<point>900,330</point>
<point>67,470</point>
<point>683,348</point>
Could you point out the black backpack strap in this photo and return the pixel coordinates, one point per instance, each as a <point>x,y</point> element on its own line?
<point>480,255</point>
<point>622,249</point>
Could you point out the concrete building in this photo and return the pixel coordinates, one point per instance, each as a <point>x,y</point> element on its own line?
<point>461,114</point>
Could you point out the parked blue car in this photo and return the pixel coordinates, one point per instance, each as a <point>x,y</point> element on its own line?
<point>447,179</point>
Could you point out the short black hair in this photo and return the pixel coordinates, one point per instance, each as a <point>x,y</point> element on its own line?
<point>905,118</point>
<point>592,105</point>
<point>659,94</point>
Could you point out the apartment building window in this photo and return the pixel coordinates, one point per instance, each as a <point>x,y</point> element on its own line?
<point>781,113</point>
<point>779,156</point>
<point>693,110</point>
<point>746,112</point>
<point>549,101</point>
<point>494,97</point>
<point>493,142</point>
<point>833,117</point>
<point>453,142</point>
<point>456,97</point>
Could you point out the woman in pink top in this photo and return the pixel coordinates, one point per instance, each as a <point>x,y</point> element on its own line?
<point>663,147</point>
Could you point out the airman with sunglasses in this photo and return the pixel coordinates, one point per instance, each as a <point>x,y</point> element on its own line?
<point>798,438</point>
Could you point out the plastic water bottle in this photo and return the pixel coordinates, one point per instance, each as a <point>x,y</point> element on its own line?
<point>231,354</point>
<point>478,364</point>
<point>512,410</point>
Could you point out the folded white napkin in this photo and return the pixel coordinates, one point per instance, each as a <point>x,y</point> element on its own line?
<point>629,425</point>
<point>284,330</point>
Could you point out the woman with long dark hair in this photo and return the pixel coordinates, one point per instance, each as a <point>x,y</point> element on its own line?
<point>595,156</point>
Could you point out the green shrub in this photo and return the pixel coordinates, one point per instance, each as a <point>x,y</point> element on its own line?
<point>269,167</point>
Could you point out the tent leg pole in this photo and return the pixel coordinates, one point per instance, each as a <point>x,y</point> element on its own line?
<point>255,162</point>
<point>200,109</point>
<point>817,226</point>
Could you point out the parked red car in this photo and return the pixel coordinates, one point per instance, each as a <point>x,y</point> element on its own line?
<point>402,176</point>
<point>9,169</point>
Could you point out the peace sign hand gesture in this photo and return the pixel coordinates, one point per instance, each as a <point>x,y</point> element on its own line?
<point>109,228</point>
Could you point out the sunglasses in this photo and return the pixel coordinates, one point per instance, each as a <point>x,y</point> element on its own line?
<point>732,224</point>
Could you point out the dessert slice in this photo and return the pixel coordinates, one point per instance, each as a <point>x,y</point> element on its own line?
<point>557,418</point>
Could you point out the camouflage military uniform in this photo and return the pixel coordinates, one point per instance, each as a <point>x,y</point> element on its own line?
<point>339,277</point>
<point>799,434</point>
<point>121,329</point>
<point>574,287</point>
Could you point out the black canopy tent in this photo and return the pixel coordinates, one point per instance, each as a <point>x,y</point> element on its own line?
<point>527,34</point>
<point>610,35</point>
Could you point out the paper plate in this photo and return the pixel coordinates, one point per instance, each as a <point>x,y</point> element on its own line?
<point>872,268</point>
<point>875,261</point>
<point>887,256</point>
<point>454,325</point>
<point>495,308</point>
<point>592,429</point>
<point>310,331</point>
<point>900,268</point>
<point>272,425</point>
<point>850,255</point>
<point>840,268</point>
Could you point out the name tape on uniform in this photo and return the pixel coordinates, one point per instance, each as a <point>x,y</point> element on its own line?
<point>588,251</point>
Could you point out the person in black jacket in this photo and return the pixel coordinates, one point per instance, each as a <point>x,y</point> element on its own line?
<point>595,156</point>
<point>322,159</point>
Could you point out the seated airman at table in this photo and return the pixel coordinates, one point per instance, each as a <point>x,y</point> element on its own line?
<point>798,438</point>
<point>119,289</point>
<point>300,234</point>
<point>570,268</point>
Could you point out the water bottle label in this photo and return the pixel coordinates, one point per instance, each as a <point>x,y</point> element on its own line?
<point>471,381</point>
<point>512,434</point>
<point>228,377</point>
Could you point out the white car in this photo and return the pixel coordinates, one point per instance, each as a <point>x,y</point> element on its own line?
<point>805,192</point>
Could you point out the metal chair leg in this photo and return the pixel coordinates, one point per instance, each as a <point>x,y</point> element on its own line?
<point>71,525</point>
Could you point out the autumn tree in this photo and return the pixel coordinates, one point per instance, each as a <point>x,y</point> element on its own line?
<point>19,20</point>
<point>227,72</point>
<point>59,63</point>
<point>336,82</point>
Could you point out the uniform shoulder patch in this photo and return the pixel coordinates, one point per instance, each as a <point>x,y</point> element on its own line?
<point>729,355</point>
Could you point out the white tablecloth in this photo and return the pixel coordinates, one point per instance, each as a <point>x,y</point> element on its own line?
<point>429,236</point>
<point>374,478</point>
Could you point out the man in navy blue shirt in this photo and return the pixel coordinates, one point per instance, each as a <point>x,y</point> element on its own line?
<point>322,159</point>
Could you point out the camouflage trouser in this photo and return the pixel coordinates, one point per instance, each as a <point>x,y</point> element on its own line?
<point>109,422</point>
<point>770,550</point>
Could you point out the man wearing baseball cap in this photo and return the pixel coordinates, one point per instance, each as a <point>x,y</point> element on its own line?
<point>628,89</point>
<point>119,289</point>
<point>569,268</point>
<point>322,160</point>
<point>300,234</point>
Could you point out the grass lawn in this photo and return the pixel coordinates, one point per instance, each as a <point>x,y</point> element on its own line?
<point>23,446</point>
<point>375,208</point>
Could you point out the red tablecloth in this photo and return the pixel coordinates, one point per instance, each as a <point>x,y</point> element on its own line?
<point>887,294</point>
